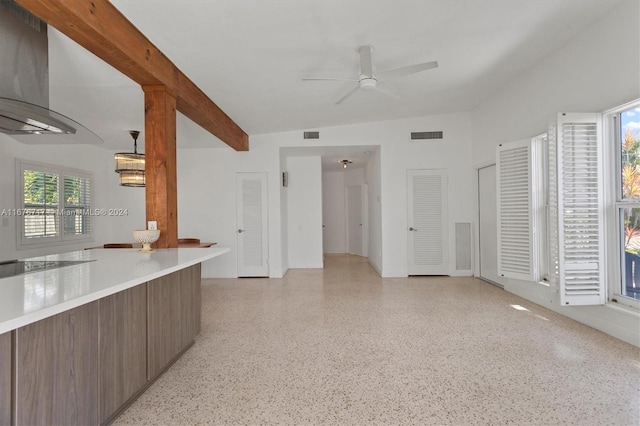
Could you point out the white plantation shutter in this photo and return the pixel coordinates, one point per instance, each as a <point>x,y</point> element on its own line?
<point>53,204</point>
<point>552,204</point>
<point>516,205</point>
<point>40,202</point>
<point>580,209</point>
<point>77,202</point>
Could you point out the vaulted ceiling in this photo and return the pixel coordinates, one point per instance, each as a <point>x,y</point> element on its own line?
<point>249,57</point>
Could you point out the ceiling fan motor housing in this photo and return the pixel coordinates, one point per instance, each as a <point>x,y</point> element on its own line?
<point>368,83</point>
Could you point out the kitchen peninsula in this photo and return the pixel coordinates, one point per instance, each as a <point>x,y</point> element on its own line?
<point>83,337</point>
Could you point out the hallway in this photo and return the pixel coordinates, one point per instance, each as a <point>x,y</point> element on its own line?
<point>342,346</point>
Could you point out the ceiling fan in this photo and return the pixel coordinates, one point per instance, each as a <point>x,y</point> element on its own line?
<point>370,79</point>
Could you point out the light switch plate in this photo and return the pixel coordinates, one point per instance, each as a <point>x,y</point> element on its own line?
<point>152,224</point>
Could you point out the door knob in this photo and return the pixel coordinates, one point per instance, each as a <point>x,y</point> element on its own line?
<point>240,231</point>
<point>412,229</point>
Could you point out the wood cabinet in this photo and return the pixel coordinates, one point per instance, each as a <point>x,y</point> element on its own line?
<point>57,369</point>
<point>174,316</point>
<point>83,366</point>
<point>163,338</point>
<point>190,304</point>
<point>5,379</point>
<point>122,348</point>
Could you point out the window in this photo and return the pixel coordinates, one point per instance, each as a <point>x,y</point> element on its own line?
<point>54,204</point>
<point>625,133</point>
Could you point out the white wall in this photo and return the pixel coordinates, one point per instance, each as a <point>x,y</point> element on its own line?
<point>304,212</point>
<point>284,217</point>
<point>453,153</point>
<point>597,70</point>
<point>207,201</point>
<point>206,193</point>
<point>333,212</point>
<point>107,194</point>
<point>374,211</point>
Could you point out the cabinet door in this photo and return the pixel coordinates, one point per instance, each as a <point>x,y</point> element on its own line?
<point>123,348</point>
<point>163,339</point>
<point>174,316</point>
<point>57,367</point>
<point>5,379</point>
<point>190,302</point>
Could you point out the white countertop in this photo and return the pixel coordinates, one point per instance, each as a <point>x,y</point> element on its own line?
<point>30,297</point>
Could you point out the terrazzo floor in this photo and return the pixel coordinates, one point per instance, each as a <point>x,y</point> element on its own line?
<point>342,346</point>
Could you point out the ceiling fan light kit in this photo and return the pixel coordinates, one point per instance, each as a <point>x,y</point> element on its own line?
<point>345,163</point>
<point>369,80</point>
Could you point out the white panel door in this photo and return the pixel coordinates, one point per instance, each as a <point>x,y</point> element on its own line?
<point>354,220</point>
<point>252,226</point>
<point>428,235</point>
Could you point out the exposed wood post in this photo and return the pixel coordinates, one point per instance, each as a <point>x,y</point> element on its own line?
<point>160,159</point>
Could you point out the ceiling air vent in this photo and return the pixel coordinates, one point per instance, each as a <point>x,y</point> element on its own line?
<point>426,135</point>
<point>312,135</point>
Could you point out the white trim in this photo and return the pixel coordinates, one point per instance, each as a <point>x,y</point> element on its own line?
<point>613,203</point>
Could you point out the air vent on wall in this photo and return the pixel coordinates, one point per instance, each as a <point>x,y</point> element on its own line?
<point>312,135</point>
<point>426,135</point>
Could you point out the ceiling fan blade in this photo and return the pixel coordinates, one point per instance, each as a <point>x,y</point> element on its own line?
<point>410,69</point>
<point>349,93</point>
<point>387,89</point>
<point>328,78</point>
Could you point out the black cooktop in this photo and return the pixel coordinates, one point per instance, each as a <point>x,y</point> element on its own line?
<point>11,268</point>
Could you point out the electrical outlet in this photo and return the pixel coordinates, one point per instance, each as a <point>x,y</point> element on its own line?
<point>152,224</point>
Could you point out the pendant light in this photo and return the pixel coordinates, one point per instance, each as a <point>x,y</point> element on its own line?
<point>130,166</point>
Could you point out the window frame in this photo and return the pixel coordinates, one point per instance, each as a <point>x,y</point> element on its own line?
<point>60,237</point>
<point>615,204</point>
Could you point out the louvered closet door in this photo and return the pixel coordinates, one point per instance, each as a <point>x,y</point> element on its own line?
<point>251,220</point>
<point>427,219</point>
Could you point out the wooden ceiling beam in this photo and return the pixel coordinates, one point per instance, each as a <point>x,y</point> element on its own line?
<point>103,30</point>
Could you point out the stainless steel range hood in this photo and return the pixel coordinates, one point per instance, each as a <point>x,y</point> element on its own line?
<point>24,83</point>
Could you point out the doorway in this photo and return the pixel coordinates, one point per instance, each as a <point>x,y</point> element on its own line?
<point>428,236</point>
<point>251,225</point>
<point>356,219</point>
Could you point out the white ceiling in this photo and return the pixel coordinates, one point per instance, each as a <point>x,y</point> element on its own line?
<point>249,56</point>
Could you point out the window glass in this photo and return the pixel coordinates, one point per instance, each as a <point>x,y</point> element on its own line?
<point>628,132</point>
<point>77,195</point>
<point>40,204</point>
<point>630,153</point>
<point>55,204</point>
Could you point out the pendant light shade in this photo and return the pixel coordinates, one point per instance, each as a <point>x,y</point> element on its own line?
<point>131,166</point>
